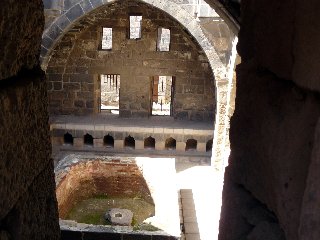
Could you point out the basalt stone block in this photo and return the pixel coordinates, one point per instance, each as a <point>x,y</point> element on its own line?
<point>47,42</point>
<point>54,31</point>
<point>96,3</point>
<point>75,12</point>
<point>69,3</point>
<point>70,235</point>
<point>86,5</point>
<point>63,22</point>
<point>101,236</point>
<point>181,115</point>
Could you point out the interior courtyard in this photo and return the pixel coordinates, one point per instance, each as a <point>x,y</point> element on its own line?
<point>146,119</point>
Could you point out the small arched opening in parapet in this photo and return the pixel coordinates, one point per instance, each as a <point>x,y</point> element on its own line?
<point>170,144</point>
<point>68,139</point>
<point>108,141</point>
<point>149,143</point>
<point>129,142</point>
<point>191,145</point>
<point>88,140</point>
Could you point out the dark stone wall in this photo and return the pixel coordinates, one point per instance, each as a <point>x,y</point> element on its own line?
<point>21,29</point>
<point>74,69</point>
<point>28,207</point>
<point>273,128</point>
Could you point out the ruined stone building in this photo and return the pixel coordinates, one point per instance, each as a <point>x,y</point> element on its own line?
<point>160,78</point>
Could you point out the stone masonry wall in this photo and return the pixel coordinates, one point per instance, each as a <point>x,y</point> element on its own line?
<point>74,69</point>
<point>28,207</point>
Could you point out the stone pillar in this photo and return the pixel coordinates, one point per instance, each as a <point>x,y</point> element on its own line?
<point>98,142</point>
<point>160,145</point>
<point>201,147</point>
<point>118,144</point>
<point>139,144</point>
<point>181,146</point>
<point>78,142</point>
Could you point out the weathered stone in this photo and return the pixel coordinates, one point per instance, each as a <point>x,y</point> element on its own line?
<point>266,230</point>
<point>22,51</point>
<point>118,216</point>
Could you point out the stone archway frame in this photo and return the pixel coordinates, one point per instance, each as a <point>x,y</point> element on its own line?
<point>54,33</point>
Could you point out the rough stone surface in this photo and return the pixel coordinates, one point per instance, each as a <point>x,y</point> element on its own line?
<point>73,71</point>
<point>273,127</point>
<point>118,216</point>
<point>310,207</point>
<point>266,230</point>
<point>272,145</point>
<point>20,40</point>
<point>28,207</point>
<point>26,174</point>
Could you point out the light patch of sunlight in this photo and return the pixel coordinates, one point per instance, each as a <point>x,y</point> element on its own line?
<point>206,184</point>
<point>160,175</point>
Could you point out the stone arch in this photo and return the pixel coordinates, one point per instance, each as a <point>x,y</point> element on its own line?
<point>63,23</point>
<point>81,8</point>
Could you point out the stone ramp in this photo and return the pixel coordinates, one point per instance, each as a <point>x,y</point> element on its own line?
<point>188,216</point>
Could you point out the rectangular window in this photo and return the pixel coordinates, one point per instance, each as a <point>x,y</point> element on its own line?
<point>162,94</point>
<point>110,93</point>
<point>135,27</point>
<point>163,43</point>
<point>106,43</point>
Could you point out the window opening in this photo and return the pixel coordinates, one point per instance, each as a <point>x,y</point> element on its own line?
<point>170,144</point>
<point>162,89</point>
<point>68,139</point>
<point>149,143</point>
<point>135,27</point>
<point>129,142</point>
<point>88,140</point>
<point>108,141</point>
<point>110,93</point>
<point>209,145</point>
<point>163,39</point>
<point>191,145</point>
<point>106,43</point>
